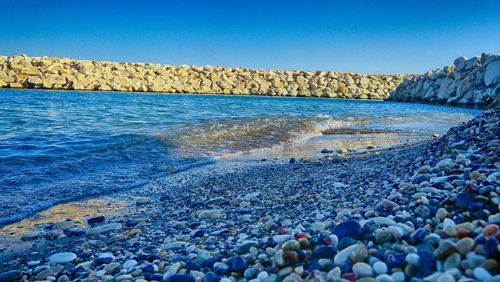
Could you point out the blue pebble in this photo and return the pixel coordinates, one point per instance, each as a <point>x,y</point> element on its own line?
<point>481,214</point>
<point>432,210</point>
<point>75,233</point>
<point>244,211</point>
<point>211,277</point>
<point>467,173</point>
<point>148,268</point>
<point>105,260</point>
<point>239,265</point>
<point>464,199</point>
<point>302,254</point>
<point>427,248</point>
<point>210,262</point>
<point>314,265</point>
<point>96,220</point>
<point>395,260</point>
<point>324,252</point>
<point>491,248</point>
<point>180,278</point>
<point>199,233</point>
<point>476,205</point>
<point>458,218</point>
<point>345,242</point>
<point>427,258</point>
<point>426,264</point>
<point>192,266</point>
<point>348,228</point>
<point>222,269</point>
<point>346,267</point>
<point>417,236</point>
<point>156,277</point>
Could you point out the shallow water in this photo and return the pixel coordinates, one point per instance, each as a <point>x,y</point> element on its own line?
<point>57,146</point>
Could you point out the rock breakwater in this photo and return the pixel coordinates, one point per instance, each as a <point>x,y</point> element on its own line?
<point>473,82</point>
<point>68,74</point>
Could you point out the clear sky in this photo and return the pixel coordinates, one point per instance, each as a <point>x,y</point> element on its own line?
<point>370,36</point>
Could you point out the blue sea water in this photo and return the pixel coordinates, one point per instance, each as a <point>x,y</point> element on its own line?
<point>57,146</point>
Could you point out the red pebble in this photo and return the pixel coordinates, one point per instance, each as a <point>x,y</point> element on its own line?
<point>491,229</point>
<point>464,233</point>
<point>469,187</point>
<point>302,235</point>
<point>351,276</point>
<point>282,231</point>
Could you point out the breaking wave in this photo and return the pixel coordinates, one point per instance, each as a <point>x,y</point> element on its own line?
<point>239,135</point>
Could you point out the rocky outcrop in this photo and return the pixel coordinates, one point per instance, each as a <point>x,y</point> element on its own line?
<point>473,82</point>
<point>62,73</point>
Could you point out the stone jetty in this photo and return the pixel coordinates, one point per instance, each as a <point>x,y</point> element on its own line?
<point>470,82</point>
<point>69,74</point>
<point>473,82</point>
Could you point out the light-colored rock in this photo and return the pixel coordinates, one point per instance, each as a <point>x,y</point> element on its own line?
<point>56,73</point>
<point>211,214</point>
<point>469,82</point>
<point>63,225</point>
<point>343,255</point>
<point>362,269</point>
<point>104,228</point>
<point>459,61</point>
<point>62,258</point>
<point>492,73</point>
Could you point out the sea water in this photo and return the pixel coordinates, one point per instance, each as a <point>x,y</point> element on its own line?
<point>57,146</point>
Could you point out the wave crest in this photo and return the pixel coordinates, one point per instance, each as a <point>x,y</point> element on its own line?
<point>230,136</point>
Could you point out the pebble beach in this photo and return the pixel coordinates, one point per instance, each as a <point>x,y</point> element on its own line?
<point>422,212</point>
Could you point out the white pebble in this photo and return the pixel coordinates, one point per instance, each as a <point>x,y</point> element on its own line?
<point>62,258</point>
<point>129,264</point>
<point>412,259</point>
<point>384,278</point>
<point>482,274</point>
<point>343,255</point>
<point>446,277</point>
<point>380,267</point>
<point>262,275</point>
<point>398,276</point>
<point>362,269</point>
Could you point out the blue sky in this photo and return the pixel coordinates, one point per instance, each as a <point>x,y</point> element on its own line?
<point>369,36</point>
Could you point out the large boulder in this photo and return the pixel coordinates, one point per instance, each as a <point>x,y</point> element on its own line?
<point>459,62</point>
<point>492,73</point>
<point>33,82</point>
<point>446,89</point>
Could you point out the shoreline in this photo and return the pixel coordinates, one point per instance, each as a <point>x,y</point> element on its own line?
<point>305,140</point>
<point>216,225</point>
<point>278,154</point>
<point>205,226</point>
<point>386,100</point>
<point>152,193</point>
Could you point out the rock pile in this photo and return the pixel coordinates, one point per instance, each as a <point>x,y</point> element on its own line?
<point>62,73</point>
<point>468,82</point>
